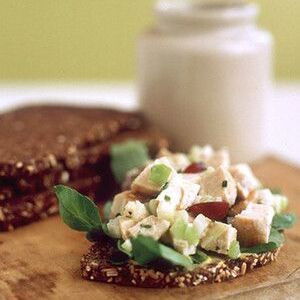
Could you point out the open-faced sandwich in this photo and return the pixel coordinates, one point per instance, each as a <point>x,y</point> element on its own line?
<point>183,220</point>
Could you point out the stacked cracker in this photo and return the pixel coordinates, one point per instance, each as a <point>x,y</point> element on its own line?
<point>41,146</point>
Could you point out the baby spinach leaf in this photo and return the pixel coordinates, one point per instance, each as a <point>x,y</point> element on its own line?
<point>77,211</point>
<point>126,156</point>
<point>275,191</point>
<point>275,240</point>
<point>283,221</point>
<point>106,210</point>
<point>199,257</point>
<point>146,250</point>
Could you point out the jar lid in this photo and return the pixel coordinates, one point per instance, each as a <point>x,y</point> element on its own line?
<point>204,13</point>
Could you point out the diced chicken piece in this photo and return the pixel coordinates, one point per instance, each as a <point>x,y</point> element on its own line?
<point>218,237</point>
<point>254,224</point>
<point>119,202</point>
<point>192,177</point>
<point>152,206</point>
<point>242,204</point>
<point>198,153</point>
<point>280,203</point>
<point>207,198</point>
<point>119,226</point>
<point>189,192</point>
<point>183,247</point>
<point>245,179</point>
<point>218,183</point>
<point>201,223</point>
<point>150,226</point>
<point>113,228</point>
<point>179,161</point>
<point>125,224</point>
<point>169,199</point>
<point>130,176</point>
<point>211,158</point>
<point>265,196</point>
<point>143,185</point>
<point>135,210</point>
<point>219,159</point>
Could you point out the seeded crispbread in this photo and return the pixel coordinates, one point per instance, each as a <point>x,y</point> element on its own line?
<point>41,146</point>
<point>96,265</point>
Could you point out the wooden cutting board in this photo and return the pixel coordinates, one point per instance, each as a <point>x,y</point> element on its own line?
<point>41,261</point>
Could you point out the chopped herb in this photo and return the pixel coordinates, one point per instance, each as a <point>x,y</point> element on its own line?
<point>283,221</point>
<point>165,186</point>
<point>167,198</point>
<point>224,183</point>
<point>126,156</point>
<point>147,226</point>
<point>159,174</point>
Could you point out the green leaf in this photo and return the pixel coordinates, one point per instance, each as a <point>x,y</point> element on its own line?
<point>146,250</point>
<point>119,257</point>
<point>275,240</point>
<point>283,221</point>
<point>106,210</point>
<point>77,211</point>
<point>126,156</point>
<point>199,257</point>
<point>94,235</point>
<point>119,244</point>
<point>159,174</point>
<point>276,237</point>
<point>234,250</point>
<point>259,248</point>
<point>275,191</point>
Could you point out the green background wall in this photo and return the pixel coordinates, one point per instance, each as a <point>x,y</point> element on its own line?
<point>95,39</point>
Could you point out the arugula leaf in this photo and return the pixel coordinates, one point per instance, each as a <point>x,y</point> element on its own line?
<point>234,250</point>
<point>275,240</point>
<point>77,211</point>
<point>106,210</point>
<point>199,257</point>
<point>283,221</point>
<point>126,156</point>
<point>146,250</point>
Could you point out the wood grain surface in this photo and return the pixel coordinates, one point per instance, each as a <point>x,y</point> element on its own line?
<point>41,261</point>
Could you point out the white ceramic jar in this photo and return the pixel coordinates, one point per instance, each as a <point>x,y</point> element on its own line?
<point>204,72</point>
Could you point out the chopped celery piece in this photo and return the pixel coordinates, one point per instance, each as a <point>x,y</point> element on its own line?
<point>159,174</point>
<point>234,250</point>
<point>178,229</point>
<point>181,230</point>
